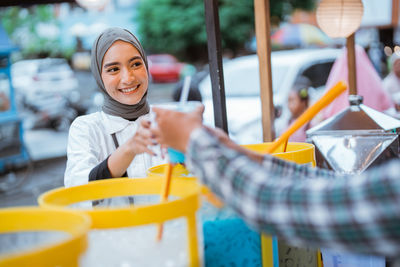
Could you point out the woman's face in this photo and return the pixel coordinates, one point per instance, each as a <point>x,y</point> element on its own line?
<point>295,104</point>
<point>396,67</point>
<point>124,73</point>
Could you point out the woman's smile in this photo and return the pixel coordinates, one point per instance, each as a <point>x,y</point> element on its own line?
<point>129,90</point>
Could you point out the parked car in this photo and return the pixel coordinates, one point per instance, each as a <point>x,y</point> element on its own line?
<point>47,88</point>
<point>242,88</point>
<point>165,68</point>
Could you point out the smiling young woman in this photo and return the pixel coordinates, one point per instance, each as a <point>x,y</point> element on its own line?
<point>114,142</point>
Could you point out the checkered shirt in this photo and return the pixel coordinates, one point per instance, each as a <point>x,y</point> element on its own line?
<point>302,205</point>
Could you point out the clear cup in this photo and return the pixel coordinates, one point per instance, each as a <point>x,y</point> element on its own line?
<point>176,156</point>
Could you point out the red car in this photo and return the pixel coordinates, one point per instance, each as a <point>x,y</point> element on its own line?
<point>164,68</point>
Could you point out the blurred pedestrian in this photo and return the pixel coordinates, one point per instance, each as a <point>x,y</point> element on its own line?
<point>298,101</point>
<point>369,85</point>
<point>114,142</point>
<point>391,83</point>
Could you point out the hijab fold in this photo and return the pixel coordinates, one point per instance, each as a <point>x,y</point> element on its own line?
<point>100,46</point>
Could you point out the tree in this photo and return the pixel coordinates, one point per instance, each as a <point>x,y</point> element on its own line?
<point>29,27</point>
<point>178,26</point>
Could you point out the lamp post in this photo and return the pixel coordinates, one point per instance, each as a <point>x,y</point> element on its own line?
<point>341,18</point>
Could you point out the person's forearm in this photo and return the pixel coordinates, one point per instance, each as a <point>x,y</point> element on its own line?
<point>353,213</point>
<point>119,161</point>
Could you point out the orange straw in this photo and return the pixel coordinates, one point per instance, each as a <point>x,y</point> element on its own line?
<point>164,194</point>
<point>308,114</point>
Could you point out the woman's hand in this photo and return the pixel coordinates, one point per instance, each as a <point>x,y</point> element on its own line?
<point>174,128</point>
<point>140,142</point>
<point>120,159</point>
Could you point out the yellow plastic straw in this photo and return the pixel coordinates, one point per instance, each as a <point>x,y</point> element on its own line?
<point>180,171</point>
<point>165,194</point>
<point>307,115</point>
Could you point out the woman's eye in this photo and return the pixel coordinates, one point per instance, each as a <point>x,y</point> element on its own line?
<point>114,69</point>
<point>137,64</point>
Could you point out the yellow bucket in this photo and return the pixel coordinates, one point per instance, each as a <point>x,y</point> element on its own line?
<point>186,202</point>
<point>300,153</point>
<point>64,252</point>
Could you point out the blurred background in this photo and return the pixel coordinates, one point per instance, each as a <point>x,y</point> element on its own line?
<point>46,80</point>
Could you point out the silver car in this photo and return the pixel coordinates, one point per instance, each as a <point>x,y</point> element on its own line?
<point>242,88</point>
<point>45,90</point>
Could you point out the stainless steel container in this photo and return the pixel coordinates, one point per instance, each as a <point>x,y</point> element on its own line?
<point>355,139</point>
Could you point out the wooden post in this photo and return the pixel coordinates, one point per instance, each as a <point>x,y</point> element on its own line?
<point>395,13</point>
<point>215,62</point>
<point>262,26</point>
<point>351,64</point>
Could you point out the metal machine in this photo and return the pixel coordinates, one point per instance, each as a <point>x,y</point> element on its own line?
<point>355,139</point>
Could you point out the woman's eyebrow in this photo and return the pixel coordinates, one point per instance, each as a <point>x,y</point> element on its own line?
<point>134,58</point>
<point>117,63</point>
<point>110,64</point>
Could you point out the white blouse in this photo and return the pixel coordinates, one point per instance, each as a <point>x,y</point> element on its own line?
<point>90,142</point>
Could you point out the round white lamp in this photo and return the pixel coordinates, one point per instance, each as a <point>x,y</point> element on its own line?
<point>339,18</point>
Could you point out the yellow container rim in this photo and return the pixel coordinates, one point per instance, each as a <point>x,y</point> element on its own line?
<point>187,203</point>
<point>180,172</point>
<point>159,171</point>
<point>298,152</point>
<point>23,219</point>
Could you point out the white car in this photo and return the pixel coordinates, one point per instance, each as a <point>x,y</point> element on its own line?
<point>242,88</point>
<point>46,91</point>
<point>35,79</point>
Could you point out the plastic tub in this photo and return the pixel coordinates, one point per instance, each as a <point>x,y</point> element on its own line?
<point>300,153</point>
<point>65,232</point>
<point>228,239</point>
<point>126,236</point>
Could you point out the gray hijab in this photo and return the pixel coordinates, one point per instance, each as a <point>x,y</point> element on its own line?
<point>100,47</point>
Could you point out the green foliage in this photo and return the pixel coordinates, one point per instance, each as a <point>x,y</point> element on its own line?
<point>21,24</point>
<point>178,26</point>
<point>171,26</point>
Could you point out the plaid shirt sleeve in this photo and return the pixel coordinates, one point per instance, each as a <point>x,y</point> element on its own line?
<point>359,213</point>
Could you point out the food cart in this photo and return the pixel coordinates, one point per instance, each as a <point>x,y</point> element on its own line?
<point>13,153</point>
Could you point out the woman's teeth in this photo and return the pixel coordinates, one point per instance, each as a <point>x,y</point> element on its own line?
<point>130,89</point>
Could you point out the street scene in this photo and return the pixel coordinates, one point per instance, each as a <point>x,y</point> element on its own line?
<point>47,151</point>
<point>264,133</point>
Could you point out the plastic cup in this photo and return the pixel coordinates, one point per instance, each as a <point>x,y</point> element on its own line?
<point>174,155</point>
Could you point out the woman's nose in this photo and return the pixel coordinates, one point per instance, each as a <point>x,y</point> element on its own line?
<point>128,76</point>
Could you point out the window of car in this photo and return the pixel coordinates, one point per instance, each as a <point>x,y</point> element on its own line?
<point>23,68</point>
<point>244,81</point>
<point>318,73</point>
<point>54,65</point>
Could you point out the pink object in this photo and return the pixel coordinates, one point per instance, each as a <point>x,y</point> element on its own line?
<point>300,134</point>
<point>369,84</point>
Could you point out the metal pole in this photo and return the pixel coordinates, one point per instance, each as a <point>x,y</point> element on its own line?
<point>215,62</point>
